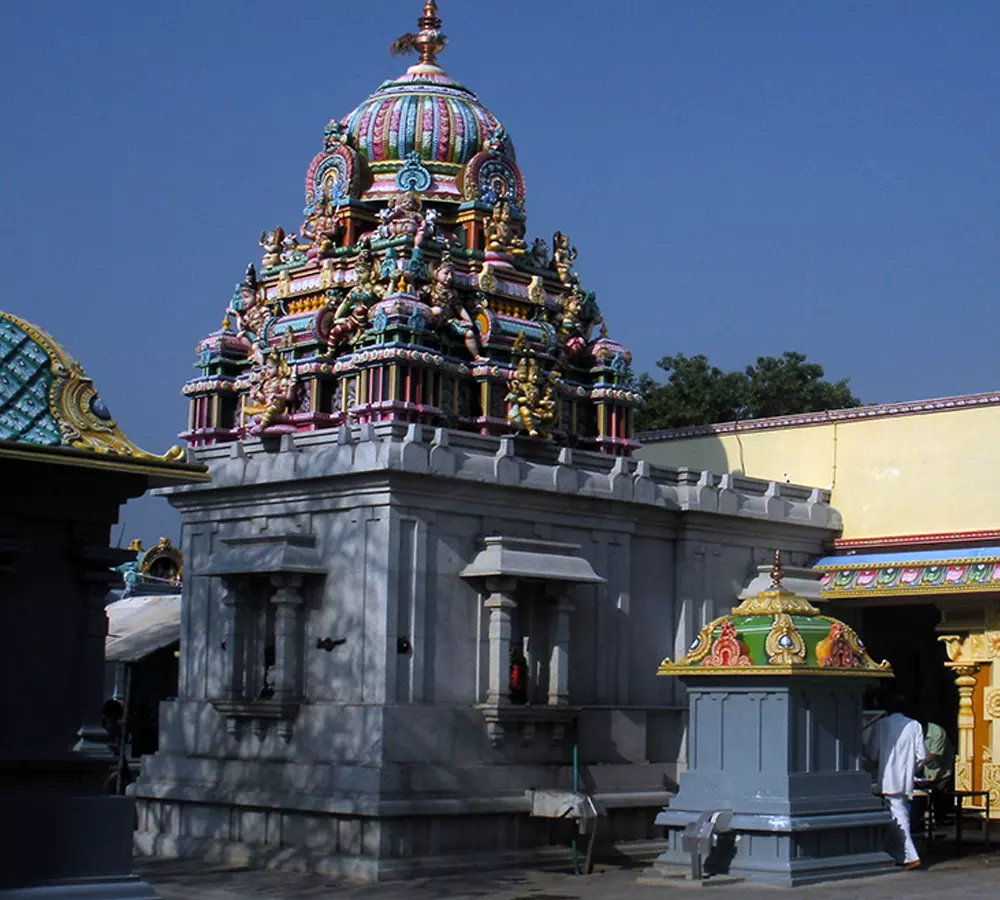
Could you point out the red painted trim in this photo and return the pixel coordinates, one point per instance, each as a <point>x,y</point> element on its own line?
<point>946,538</point>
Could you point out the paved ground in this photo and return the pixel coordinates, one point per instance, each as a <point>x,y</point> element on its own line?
<point>974,877</point>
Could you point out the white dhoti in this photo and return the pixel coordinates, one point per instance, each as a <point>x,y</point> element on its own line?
<point>899,841</point>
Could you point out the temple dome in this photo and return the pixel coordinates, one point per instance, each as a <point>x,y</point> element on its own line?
<point>421,132</point>
<point>776,632</point>
<point>424,111</point>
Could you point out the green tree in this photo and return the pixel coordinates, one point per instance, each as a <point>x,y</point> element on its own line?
<point>698,393</point>
<point>780,387</point>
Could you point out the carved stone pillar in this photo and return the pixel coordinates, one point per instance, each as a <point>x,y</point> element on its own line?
<point>94,572</point>
<point>965,681</point>
<point>92,739</point>
<point>559,654</point>
<point>235,602</point>
<point>287,601</point>
<point>500,603</point>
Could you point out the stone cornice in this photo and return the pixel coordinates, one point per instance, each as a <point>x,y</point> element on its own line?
<point>504,462</point>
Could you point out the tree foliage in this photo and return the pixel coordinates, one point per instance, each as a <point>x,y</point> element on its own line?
<point>698,393</point>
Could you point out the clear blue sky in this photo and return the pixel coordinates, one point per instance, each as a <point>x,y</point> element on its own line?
<point>741,177</point>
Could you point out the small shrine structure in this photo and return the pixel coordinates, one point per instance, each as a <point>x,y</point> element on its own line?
<point>774,737</point>
<point>427,573</point>
<point>66,469</point>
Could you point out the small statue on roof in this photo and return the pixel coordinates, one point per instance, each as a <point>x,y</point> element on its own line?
<point>272,389</point>
<point>351,315</point>
<point>531,398</point>
<point>449,312</point>
<point>539,253</point>
<point>271,242</point>
<point>504,230</point>
<point>563,255</point>
<point>334,133</point>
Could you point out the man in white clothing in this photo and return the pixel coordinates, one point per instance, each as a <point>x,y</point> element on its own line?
<point>896,742</point>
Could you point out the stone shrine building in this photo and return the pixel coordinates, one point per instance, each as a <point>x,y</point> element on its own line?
<point>427,573</point>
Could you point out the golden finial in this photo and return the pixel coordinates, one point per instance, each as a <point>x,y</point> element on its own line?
<point>428,42</point>
<point>135,545</point>
<point>777,572</point>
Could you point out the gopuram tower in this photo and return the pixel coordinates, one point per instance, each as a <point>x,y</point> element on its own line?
<point>427,575</point>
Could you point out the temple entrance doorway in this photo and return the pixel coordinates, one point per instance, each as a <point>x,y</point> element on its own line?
<point>906,634</point>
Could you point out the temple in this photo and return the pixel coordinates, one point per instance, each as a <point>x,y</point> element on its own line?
<point>410,293</point>
<point>427,575</point>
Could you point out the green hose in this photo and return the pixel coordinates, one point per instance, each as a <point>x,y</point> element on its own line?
<point>576,788</point>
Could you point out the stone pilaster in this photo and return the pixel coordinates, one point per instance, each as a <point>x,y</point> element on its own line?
<point>96,577</point>
<point>500,603</point>
<point>287,600</point>
<point>559,653</point>
<point>235,602</point>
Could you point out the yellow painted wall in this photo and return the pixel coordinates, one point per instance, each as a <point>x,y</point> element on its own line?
<point>929,473</point>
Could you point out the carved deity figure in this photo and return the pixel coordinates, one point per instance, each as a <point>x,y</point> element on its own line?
<point>449,313</point>
<point>272,390</point>
<point>271,242</point>
<point>504,231</point>
<point>320,227</point>
<point>250,310</point>
<point>539,253</point>
<point>531,398</point>
<point>563,255</point>
<point>498,142</point>
<point>404,215</point>
<point>291,250</point>
<point>577,316</point>
<point>351,315</point>
<point>428,228</point>
<point>334,134</point>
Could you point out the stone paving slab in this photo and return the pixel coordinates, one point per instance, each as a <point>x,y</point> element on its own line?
<point>974,877</point>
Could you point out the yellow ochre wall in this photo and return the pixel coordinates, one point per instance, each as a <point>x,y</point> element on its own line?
<point>904,474</point>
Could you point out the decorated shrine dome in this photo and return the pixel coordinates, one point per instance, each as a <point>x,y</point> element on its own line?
<point>418,131</point>
<point>423,111</point>
<point>776,632</point>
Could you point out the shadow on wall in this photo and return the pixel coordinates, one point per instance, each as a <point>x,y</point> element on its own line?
<point>705,453</point>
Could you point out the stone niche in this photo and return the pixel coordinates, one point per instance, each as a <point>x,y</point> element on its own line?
<point>351,599</point>
<point>529,601</point>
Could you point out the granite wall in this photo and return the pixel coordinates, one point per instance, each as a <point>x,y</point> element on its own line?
<point>382,762</point>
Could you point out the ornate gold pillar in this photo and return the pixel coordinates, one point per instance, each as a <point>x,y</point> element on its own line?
<point>965,681</point>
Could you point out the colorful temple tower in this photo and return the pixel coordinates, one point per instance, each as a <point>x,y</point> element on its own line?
<point>410,293</point>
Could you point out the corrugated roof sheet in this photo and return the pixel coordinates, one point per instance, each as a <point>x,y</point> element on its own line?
<point>139,626</point>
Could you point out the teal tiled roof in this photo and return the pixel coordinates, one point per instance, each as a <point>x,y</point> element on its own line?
<point>25,379</point>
